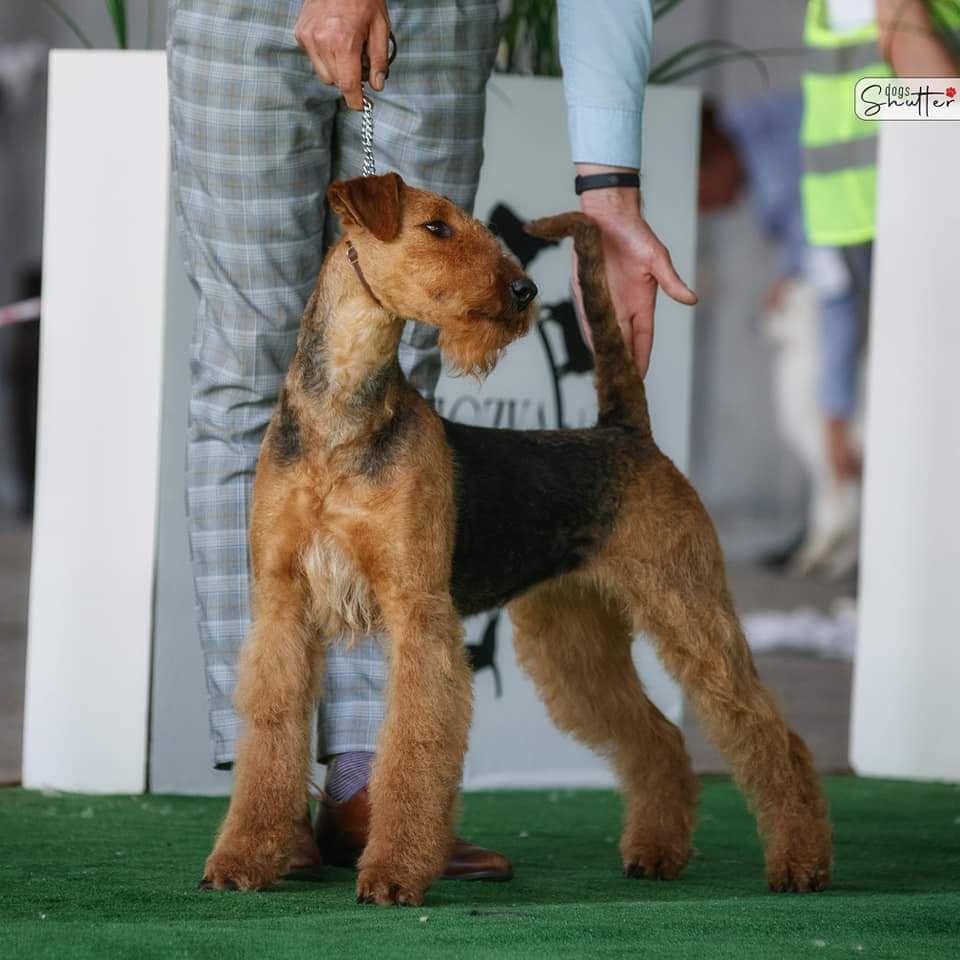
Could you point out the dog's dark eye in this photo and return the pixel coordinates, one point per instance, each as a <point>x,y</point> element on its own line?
<point>439,229</point>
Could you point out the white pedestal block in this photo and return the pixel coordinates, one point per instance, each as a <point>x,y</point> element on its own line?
<point>94,548</point>
<point>906,696</point>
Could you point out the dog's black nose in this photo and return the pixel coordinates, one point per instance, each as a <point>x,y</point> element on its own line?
<point>523,291</point>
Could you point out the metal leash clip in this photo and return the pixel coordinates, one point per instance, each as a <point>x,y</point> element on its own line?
<point>368,168</point>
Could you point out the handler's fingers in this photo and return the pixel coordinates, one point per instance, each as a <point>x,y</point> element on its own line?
<point>378,43</point>
<point>348,78</point>
<point>641,324</point>
<point>323,68</point>
<point>308,41</point>
<point>668,278</point>
<point>642,344</point>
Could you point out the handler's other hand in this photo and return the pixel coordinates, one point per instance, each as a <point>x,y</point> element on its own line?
<point>637,263</point>
<point>333,33</point>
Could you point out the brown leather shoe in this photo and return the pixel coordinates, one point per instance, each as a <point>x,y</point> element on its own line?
<point>341,833</point>
<point>305,861</point>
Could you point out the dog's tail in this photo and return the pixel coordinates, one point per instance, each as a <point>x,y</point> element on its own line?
<point>621,398</point>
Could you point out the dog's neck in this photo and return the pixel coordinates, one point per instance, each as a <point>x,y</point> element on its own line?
<point>347,352</point>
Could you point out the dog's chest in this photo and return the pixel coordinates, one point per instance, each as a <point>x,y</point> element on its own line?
<point>343,602</point>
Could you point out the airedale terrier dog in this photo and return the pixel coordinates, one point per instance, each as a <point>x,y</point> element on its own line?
<point>371,513</point>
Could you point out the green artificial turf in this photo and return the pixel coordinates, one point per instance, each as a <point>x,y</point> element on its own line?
<point>116,877</point>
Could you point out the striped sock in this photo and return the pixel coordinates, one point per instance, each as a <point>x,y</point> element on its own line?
<point>348,774</point>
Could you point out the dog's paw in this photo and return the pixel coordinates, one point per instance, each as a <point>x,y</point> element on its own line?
<point>655,861</point>
<point>224,871</point>
<point>798,878</point>
<point>803,863</point>
<point>377,885</point>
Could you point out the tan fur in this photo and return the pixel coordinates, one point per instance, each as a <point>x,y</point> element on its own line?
<point>348,605</point>
<point>353,529</point>
<point>574,641</point>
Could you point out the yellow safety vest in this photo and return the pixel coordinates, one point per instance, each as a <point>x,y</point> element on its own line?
<point>839,149</point>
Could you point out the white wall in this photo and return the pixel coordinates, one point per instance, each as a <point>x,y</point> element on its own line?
<point>23,19</point>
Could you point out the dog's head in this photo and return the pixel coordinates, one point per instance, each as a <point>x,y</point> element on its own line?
<point>425,259</point>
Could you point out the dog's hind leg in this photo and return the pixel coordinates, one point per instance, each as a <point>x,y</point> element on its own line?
<point>575,645</point>
<point>275,697</point>
<point>683,602</point>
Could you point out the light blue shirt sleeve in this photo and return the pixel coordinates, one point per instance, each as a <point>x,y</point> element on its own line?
<point>605,55</point>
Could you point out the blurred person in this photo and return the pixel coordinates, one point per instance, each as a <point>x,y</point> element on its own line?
<point>849,39</point>
<point>259,130</point>
<point>755,145</point>
<point>795,323</point>
<point>824,230</point>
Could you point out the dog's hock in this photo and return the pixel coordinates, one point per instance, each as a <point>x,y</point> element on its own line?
<point>371,203</point>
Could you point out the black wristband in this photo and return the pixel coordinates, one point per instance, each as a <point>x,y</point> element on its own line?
<point>598,181</point>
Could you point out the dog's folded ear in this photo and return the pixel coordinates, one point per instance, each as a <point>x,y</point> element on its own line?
<point>372,203</point>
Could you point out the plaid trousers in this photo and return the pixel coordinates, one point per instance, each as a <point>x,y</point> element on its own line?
<point>256,140</point>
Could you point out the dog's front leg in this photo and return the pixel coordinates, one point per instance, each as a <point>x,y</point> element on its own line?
<point>416,776</point>
<point>274,696</point>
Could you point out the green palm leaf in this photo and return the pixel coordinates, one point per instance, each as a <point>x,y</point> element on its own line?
<point>69,21</point>
<point>719,51</point>
<point>118,14</point>
<point>945,15</point>
<point>663,7</point>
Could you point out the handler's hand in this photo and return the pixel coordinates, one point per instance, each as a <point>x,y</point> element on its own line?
<point>637,265</point>
<point>333,34</point>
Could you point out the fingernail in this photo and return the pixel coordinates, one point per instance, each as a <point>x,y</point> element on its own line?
<point>379,79</point>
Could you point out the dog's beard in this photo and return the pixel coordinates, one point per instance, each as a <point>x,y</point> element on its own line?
<point>474,348</point>
<point>465,359</point>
